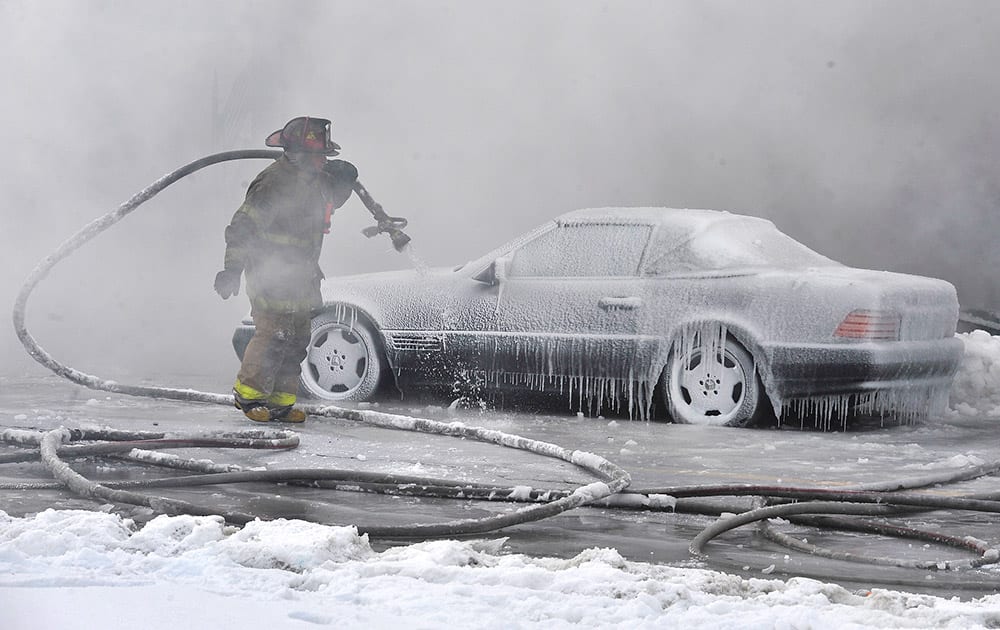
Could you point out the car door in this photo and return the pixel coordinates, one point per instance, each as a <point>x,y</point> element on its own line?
<point>564,311</point>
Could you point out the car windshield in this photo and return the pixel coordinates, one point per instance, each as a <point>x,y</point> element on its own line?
<point>478,264</point>
<point>736,242</point>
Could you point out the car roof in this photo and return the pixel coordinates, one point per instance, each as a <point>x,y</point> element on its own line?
<point>672,227</point>
<point>684,220</point>
<point>693,239</point>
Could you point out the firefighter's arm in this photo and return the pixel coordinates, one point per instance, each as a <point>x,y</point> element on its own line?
<point>241,233</point>
<point>238,239</point>
<point>241,239</point>
<point>342,175</point>
<point>346,176</point>
<point>249,222</point>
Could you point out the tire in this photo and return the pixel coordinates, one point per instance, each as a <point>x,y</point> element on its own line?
<point>343,360</point>
<point>721,391</point>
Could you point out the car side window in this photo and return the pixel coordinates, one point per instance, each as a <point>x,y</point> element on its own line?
<point>598,250</point>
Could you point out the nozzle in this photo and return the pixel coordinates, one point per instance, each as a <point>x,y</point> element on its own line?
<point>399,238</point>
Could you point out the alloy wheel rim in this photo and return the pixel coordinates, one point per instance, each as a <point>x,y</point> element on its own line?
<point>337,360</point>
<point>709,391</point>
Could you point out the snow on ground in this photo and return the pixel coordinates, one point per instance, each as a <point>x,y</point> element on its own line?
<point>79,569</point>
<point>196,571</point>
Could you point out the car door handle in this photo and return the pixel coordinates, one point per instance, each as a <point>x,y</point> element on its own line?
<point>620,303</point>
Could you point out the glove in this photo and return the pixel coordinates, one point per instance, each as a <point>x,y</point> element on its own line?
<point>227,282</point>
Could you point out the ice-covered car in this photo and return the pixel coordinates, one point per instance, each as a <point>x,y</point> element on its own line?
<point>711,317</point>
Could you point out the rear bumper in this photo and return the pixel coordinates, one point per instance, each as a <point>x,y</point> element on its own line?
<point>846,368</point>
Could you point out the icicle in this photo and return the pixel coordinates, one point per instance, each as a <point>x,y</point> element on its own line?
<point>905,406</point>
<point>347,314</point>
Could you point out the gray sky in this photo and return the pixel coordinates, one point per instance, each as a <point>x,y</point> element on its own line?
<point>867,130</point>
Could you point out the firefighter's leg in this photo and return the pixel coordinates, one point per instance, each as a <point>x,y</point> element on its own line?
<point>261,362</point>
<point>286,383</point>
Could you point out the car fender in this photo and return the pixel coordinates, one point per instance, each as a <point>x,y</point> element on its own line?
<point>355,313</point>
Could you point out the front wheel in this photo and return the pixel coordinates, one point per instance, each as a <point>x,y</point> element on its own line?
<point>343,361</point>
<point>712,383</point>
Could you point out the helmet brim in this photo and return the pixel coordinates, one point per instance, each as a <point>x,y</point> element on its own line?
<point>274,140</point>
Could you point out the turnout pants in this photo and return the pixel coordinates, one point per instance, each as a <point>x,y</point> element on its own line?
<point>271,363</point>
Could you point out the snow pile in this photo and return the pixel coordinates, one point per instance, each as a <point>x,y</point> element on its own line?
<point>976,390</point>
<point>289,574</point>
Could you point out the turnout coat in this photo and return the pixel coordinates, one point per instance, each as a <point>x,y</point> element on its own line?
<point>276,236</point>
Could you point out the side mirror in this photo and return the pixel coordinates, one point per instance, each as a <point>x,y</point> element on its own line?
<point>495,273</point>
<point>500,266</point>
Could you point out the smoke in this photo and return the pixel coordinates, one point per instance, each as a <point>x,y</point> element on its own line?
<point>866,130</point>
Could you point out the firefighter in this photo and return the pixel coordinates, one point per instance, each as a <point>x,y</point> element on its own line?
<point>275,237</point>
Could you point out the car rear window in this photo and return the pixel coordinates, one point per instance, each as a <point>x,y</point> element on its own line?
<point>732,243</point>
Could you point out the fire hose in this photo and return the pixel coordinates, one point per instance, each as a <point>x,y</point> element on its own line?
<point>612,478</point>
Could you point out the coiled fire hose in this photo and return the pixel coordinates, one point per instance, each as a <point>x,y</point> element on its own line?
<point>613,478</point>
<point>52,447</point>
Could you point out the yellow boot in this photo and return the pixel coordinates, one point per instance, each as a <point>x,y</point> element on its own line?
<point>258,414</point>
<point>287,414</point>
<point>254,408</point>
<point>282,409</point>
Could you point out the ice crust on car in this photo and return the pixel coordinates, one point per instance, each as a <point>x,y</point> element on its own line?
<point>603,341</point>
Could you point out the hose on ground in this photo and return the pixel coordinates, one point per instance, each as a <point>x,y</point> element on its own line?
<point>86,488</point>
<point>988,554</point>
<point>423,486</point>
<point>883,493</point>
<point>613,478</point>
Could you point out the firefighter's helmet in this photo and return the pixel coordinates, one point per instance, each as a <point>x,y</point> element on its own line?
<point>306,135</point>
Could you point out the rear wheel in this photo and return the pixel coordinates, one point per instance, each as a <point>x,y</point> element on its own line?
<point>713,384</point>
<point>343,361</point>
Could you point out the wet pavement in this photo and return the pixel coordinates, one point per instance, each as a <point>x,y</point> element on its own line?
<point>656,454</point>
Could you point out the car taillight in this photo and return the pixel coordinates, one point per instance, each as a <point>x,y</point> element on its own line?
<point>862,324</point>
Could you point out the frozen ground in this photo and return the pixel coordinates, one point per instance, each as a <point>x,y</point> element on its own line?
<point>81,567</point>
